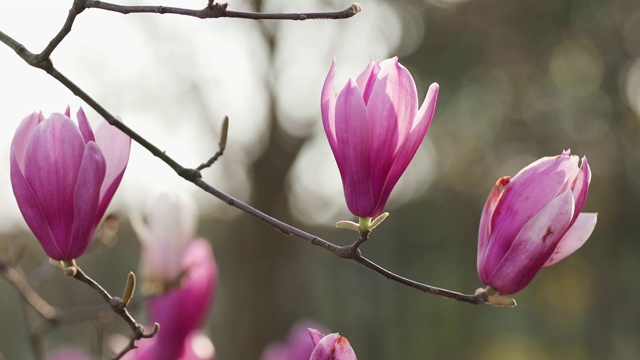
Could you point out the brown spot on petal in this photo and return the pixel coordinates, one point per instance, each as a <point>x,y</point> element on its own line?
<point>547,234</point>
<point>503,181</point>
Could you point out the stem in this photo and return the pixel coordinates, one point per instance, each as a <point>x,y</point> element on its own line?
<point>219,10</point>
<point>32,298</point>
<point>118,307</point>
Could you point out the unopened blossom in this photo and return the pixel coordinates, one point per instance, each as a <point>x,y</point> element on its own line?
<point>375,127</point>
<point>64,176</point>
<point>182,311</point>
<point>330,347</point>
<point>298,344</point>
<point>533,220</point>
<point>171,223</point>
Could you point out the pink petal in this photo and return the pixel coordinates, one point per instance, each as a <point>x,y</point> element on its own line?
<point>298,345</point>
<point>525,196</point>
<point>581,187</point>
<point>32,212</point>
<point>52,160</point>
<point>354,151</point>
<point>333,347</point>
<point>410,145</point>
<point>316,336</point>
<point>532,246</point>
<point>172,220</point>
<point>574,238</point>
<point>21,137</point>
<point>484,232</point>
<point>85,202</point>
<point>401,89</point>
<point>198,346</point>
<point>328,108</point>
<point>85,128</point>
<point>384,135</point>
<point>115,146</point>
<point>392,110</point>
<point>367,79</point>
<point>197,290</point>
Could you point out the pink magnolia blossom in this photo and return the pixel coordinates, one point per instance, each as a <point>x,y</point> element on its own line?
<point>64,177</point>
<point>533,220</point>
<point>374,129</point>
<point>330,347</point>
<point>182,311</point>
<point>171,223</point>
<point>298,345</point>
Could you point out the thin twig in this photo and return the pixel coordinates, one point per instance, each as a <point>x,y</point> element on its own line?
<point>76,8</point>
<point>219,10</point>
<point>118,307</point>
<point>222,145</point>
<point>35,332</point>
<point>32,298</point>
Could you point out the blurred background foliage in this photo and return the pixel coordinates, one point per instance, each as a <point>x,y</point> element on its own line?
<point>519,80</point>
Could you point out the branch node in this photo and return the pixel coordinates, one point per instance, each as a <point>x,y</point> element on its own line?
<point>189,174</point>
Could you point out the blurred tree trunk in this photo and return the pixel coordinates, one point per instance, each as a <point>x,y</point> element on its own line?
<point>260,254</point>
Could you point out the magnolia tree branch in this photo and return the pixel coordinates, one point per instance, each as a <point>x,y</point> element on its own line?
<point>32,298</point>
<point>351,252</point>
<point>216,10</point>
<point>119,307</point>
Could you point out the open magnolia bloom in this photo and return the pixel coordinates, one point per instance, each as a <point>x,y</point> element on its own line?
<point>64,176</point>
<point>375,127</point>
<point>533,220</point>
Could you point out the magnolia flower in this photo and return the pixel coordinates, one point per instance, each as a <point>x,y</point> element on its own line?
<point>330,347</point>
<point>298,345</point>
<point>171,223</point>
<point>533,220</point>
<point>64,176</point>
<point>374,129</point>
<point>182,311</point>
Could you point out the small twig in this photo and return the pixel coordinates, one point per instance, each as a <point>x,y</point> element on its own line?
<point>34,331</point>
<point>76,8</point>
<point>32,298</point>
<point>364,236</point>
<point>118,307</point>
<point>219,10</point>
<point>222,145</point>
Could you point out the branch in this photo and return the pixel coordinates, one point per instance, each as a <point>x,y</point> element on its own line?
<point>76,9</point>
<point>32,298</point>
<point>120,308</point>
<point>219,10</point>
<point>194,176</point>
<point>350,252</point>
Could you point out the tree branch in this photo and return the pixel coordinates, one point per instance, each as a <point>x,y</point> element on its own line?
<point>32,298</point>
<point>76,8</point>
<point>219,10</point>
<point>118,307</point>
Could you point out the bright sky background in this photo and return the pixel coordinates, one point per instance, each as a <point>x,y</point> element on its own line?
<point>173,78</point>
